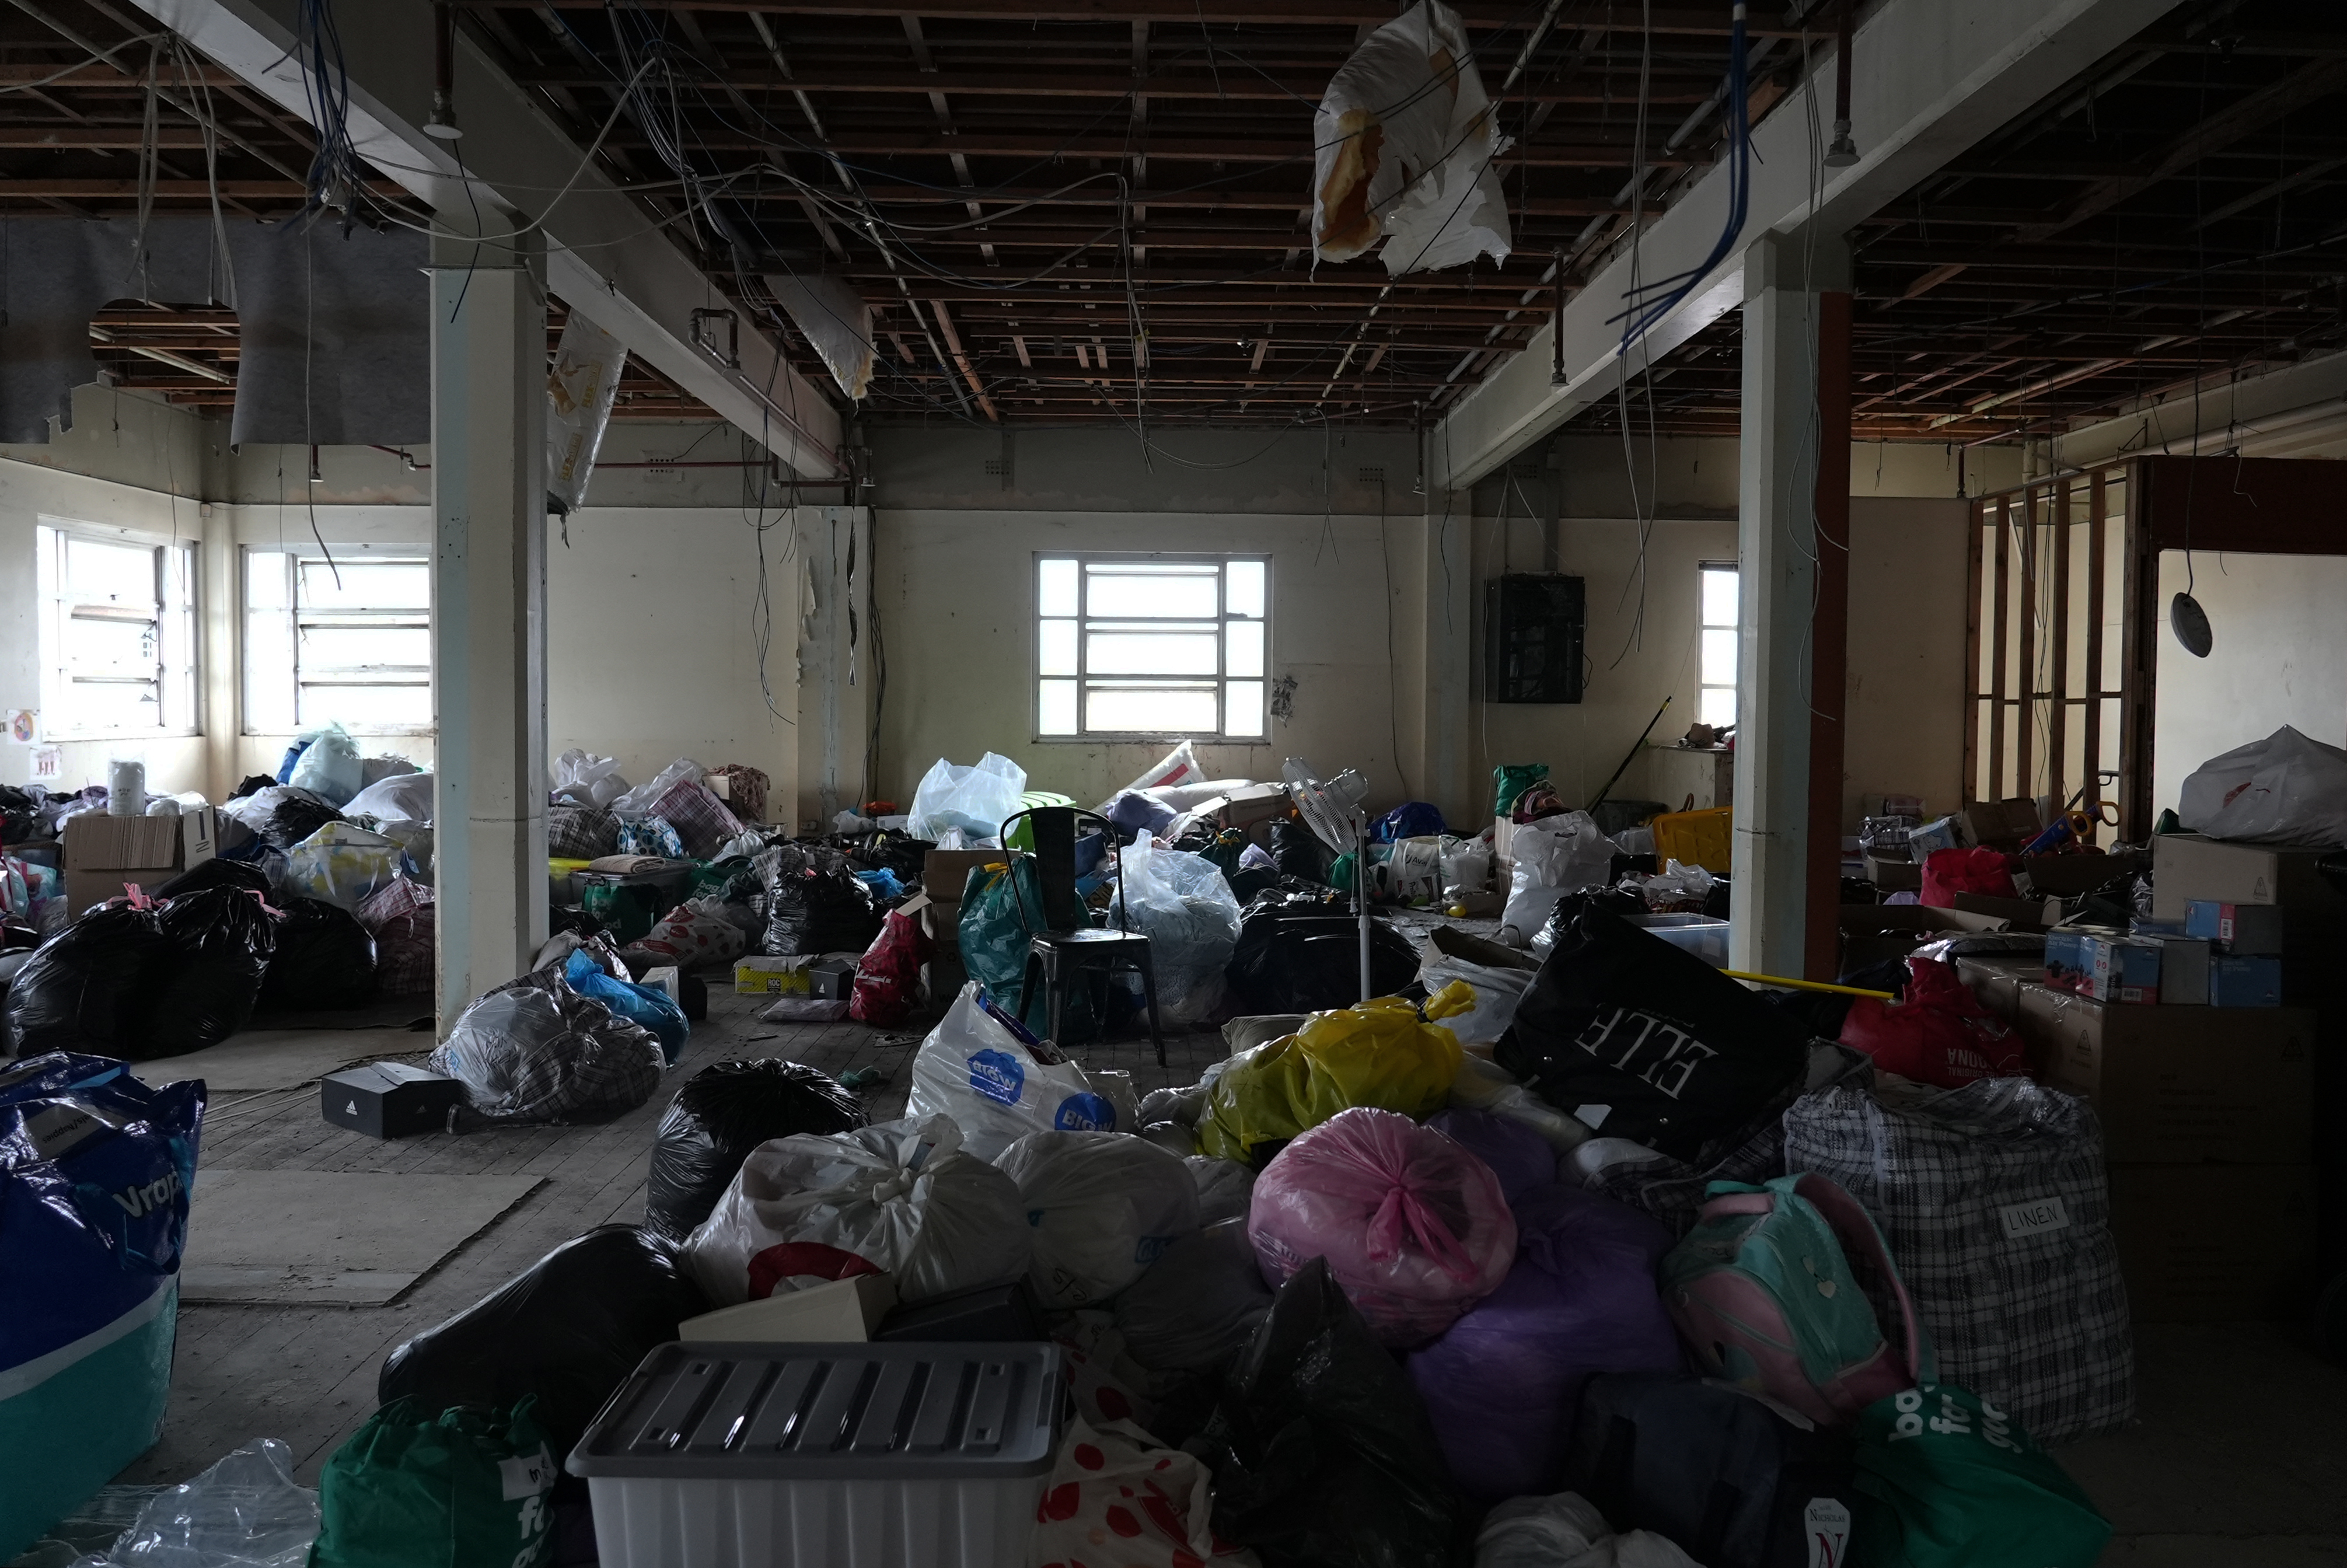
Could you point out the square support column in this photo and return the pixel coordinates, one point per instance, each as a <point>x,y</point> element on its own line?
<point>1783,595</point>
<point>1446,732</point>
<point>488,619</point>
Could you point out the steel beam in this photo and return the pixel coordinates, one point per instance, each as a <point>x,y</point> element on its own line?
<point>608,256</point>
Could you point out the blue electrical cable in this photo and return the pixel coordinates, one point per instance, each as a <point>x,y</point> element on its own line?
<point>1641,316</point>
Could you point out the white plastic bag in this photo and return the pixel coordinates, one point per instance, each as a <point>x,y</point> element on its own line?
<point>383,765</point>
<point>330,767</point>
<point>835,321</point>
<point>1466,864</point>
<point>588,780</point>
<point>1176,767</point>
<point>1182,902</point>
<point>580,390</point>
<point>976,1069</point>
<point>2285,789</point>
<point>901,1197</point>
<point>342,864</point>
<point>1226,1187</point>
<point>402,798</point>
<point>1487,1086</point>
<point>974,799</point>
<point>1555,856</point>
<point>1496,993</point>
<point>643,797</point>
<point>1104,1205</point>
<point>1405,146</point>
<point>245,1511</point>
<point>1566,1531</point>
<point>1114,1496</point>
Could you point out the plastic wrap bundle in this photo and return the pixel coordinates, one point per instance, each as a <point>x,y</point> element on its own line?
<point>535,1050</point>
<point>221,940</point>
<point>901,1198</point>
<point>1377,1054</point>
<point>815,904</point>
<point>722,1113</point>
<point>1102,1206</point>
<point>324,961</point>
<point>972,800</point>
<point>570,1329</point>
<point>283,815</point>
<point>330,766</point>
<point>1187,909</point>
<point>1580,1299</point>
<point>1413,1226</point>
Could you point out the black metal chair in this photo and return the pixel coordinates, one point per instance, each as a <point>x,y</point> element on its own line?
<point>1068,946</point>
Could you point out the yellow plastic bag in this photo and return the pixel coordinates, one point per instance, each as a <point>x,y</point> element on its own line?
<point>1377,1053</point>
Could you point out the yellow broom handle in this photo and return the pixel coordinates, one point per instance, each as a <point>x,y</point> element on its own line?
<point>1809,984</point>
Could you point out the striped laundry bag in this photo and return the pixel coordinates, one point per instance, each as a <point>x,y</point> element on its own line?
<point>399,915</point>
<point>1992,1200</point>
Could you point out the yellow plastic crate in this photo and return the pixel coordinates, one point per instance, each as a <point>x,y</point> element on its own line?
<point>1705,838</point>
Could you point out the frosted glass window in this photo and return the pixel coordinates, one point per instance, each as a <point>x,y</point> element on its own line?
<point>116,635</point>
<point>1721,605</point>
<point>1150,646</point>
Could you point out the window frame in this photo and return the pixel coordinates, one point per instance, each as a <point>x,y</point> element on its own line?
<point>1221,680</point>
<point>1735,570</point>
<point>176,559</point>
<point>415,553</point>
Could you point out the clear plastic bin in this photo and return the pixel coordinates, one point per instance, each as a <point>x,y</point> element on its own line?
<point>824,1456</point>
<point>1701,935</point>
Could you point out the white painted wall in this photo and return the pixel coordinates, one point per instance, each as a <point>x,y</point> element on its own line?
<point>2280,657</point>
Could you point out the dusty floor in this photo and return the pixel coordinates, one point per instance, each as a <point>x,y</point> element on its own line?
<point>2239,1459</point>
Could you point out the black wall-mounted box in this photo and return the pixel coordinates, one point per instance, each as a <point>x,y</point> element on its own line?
<point>1533,629</point>
<point>388,1099</point>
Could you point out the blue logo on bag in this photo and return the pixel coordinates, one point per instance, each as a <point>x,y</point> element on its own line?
<point>997,1075</point>
<point>1085,1113</point>
<point>1150,1248</point>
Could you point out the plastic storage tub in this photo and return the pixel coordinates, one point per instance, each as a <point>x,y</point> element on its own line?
<point>824,1456</point>
<point>1701,935</point>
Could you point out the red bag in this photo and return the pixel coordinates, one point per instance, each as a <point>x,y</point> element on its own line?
<point>888,976</point>
<point>1940,1035</point>
<point>1948,872</point>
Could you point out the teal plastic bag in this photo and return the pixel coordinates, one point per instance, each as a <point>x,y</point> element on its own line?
<point>1001,908</point>
<point>465,1487</point>
<point>1510,780</point>
<point>1945,1480</point>
<point>645,1005</point>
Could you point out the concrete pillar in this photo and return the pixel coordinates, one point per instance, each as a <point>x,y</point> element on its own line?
<point>488,622</point>
<point>1778,550</point>
<point>1445,745</point>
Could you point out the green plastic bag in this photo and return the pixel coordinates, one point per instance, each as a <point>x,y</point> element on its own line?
<point>468,1488</point>
<point>1947,1481</point>
<point>1001,908</point>
<point>1510,780</point>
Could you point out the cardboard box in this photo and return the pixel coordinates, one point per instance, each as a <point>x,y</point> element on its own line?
<point>831,977</point>
<point>2025,914</point>
<point>844,1311</point>
<point>102,853</point>
<point>944,871</point>
<point>2186,867</point>
<point>2183,972</point>
<point>1246,808</point>
<point>2069,876</point>
<point>388,1099</point>
<point>2066,959</point>
<point>2123,969</point>
<point>766,974</point>
<point>2214,1244</point>
<point>1996,978</point>
<point>2179,1085</point>
<point>2244,982</point>
<point>1894,875</point>
<point>1876,933</point>
<point>2249,930</point>
<point>2005,824</point>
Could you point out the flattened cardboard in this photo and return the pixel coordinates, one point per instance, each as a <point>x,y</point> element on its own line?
<point>2214,1244</point>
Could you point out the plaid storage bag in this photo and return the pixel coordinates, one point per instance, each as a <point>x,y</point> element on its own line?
<point>1992,1200</point>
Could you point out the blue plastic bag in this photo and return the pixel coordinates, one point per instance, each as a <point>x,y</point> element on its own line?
<point>292,755</point>
<point>1411,819</point>
<point>645,1005</point>
<point>95,1169</point>
<point>883,882</point>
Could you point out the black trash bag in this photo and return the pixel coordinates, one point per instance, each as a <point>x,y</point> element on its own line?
<point>324,961</point>
<point>1321,1449</point>
<point>18,821</point>
<point>814,904</point>
<point>222,938</point>
<point>1299,954</point>
<point>217,872</point>
<point>292,815</point>
<point>1619,1018</point>
<point>1298,852</point>
<point>91,986</point>
<point>1714,1469</point>
<point>721,1115</point>
<point>570,1329</point>
<point>254,784</point>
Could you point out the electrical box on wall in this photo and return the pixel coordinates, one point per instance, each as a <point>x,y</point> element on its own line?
<point>1534,624</point>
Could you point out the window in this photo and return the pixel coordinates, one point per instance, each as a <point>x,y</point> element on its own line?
<point>117,634</point>
<point>347,641</point>
<point>1717,656</point>
<point>1150,646</point>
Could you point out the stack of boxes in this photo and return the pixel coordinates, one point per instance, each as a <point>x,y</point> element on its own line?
<point>2206,1038</point>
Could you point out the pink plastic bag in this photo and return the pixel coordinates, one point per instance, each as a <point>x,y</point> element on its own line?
<point>1414,1227</point>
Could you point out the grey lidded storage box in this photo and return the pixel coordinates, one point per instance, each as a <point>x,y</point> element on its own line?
<point>824,1456</point>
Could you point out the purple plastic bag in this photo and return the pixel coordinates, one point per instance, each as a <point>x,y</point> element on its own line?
<point>1414,1227</point>
<point>1501,1386</point>
<point>1520,1157</point>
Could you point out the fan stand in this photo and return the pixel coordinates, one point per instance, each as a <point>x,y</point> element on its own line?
<point>1361,898</point>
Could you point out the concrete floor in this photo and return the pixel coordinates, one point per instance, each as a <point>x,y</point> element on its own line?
<point>2239,1459</point>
